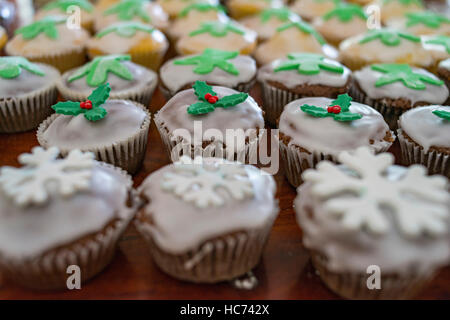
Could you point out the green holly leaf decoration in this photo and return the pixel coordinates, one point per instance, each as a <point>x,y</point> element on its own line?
<point>404,73</point>
<point>344,101</point>
<point>430,19</point>
<point>126,10</point>
<point>218,29</point>
<point>388,37</point>
<point>231,100</point>
<point>440,40</point>
<point>406,3</point>
<point>210,59</point>
<point>200,108</point>
<point>201,89</point>
<point>281,14</point>
<point>96,71</point>
<point>303,27</point>
<point>346,12</point>
<point>63,5</point>
<point>91,108</point>
<point>201,7</point>
<point>125,29</point>
<point>46,25</point>
<point>11,67</point>
<point>442,114</point>
<point>338,110</point>
<point>308,63</point>
<point>314,111</point>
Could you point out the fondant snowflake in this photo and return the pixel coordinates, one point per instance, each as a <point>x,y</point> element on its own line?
<point>419,203</point>
<point>200,183</point>
<point>31,183</point>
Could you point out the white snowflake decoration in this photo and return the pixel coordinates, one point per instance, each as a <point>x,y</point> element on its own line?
<point>31,183</point>
<point>374,191</point>
<point>198,183</point>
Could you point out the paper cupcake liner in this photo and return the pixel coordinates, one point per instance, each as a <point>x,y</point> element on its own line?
<point>91,255</point>
<point>223,258</point>
<point>127,154</point>
<point>412,153</point>
<point>26,112</point>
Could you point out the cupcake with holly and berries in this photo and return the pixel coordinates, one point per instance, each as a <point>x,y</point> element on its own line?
<point>120,128</point>
<point>300,75</point>
<point>216,67</point>
<point>310,9</point>
<point>395,88</point>
<point>57,213</point>
<point>395,9</point>
<point>422,23</point>
<point>375,230</point>
<point>229,122</point>
<point>317,129</point>
<point>243,8</point>
<point>50,41</point>
<point>128,80</point>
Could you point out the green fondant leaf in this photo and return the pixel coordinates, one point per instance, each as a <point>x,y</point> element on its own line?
<point>388,37</point>
<point>200,108</point>
<point>100,95</point>
<point>202,7</point>
<point>95,114</point>
<point>231,100</point>
<point>442,114</point>
<point>281,14</point>
<point>210,59</point>
<point>440,40</point>
<point>308,63</point>
<point>11,67</point>
<point>126,10</point>
<point>63,5</point>
<point>303,27</point>
<point>46,25</point>
<point>218,29</point>
<point>201,89</point>
<point>343,101</point>
<point>314,111</point>
<point>70,108</point>
<point>346,12</point>
<point>427,18</point>
<point>347,116</point>
<point>125,29</point>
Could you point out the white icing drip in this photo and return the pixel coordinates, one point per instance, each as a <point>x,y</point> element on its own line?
<point>367,77</point>
<point>425,128</point>
<point>174,77</point>
<point>327,135</point>
<point>445,64</point>
<point>336,31</point>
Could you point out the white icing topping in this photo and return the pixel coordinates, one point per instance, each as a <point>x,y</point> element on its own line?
<point>174,77</point>
<point>174,7</point>
<point>395,9</point>
<point>437,51</point>
<point>335,30</point>
<point>445,64</point>
<point>425,128</point>
<point>265,29</point>
<point>367,77</point>
<point>419,29</point>
<point>170,214</point>
<point>327,135</point>
<point>309,9</point>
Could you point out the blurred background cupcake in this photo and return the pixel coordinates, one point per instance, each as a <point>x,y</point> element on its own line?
<point>242,8</point>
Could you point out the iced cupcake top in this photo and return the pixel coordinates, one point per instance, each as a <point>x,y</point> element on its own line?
<point>310,9</point>
<point>437,45</point>
<point>174,7</point>
<point>61,7</point>
<point>394,9</point>
<point>422,23</point>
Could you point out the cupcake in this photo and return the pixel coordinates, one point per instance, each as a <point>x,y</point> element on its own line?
<point>222,35</point>
<point>243,8</point>
<point>310,9</point>
<point>211,122</point>
<point>394,9</point>
<point>65,8</point>
<point>384,46</point>
<point>56,213</point>
<point>50,41</point>
<point>174,7</point>
<point>128,81</point>
<point>297,76</point>
<point>422,23</point>
<point>316,129</point>
<point>295,36</point>
<point>398,225</point>
<point>115,131</point>
<point>443,71</point>
<point>268,21</point>
<point>216,67</point>
<point>424,138</point>
<point>3,38</point>
<point>438,46</point>
<point>142,11</point>
<point>230,208</point>
<point>145,44</point>
<point>342,22</point>
<point>395,88</point>
<point>27,90</point>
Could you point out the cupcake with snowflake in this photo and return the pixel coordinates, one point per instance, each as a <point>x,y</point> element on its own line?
<point>358,217</point>
<point>243,8</point>
<point>120,128</point>
<point>128,80</point>
<point>210,121</point>
<point>317,129</point>
<point>59,212</point>
<point>394,9</point>
<point>300,75</point>
<point>230,207</point>
<point>422,23</point>
<point>216,67</point>
<point>222,35</point>
<point>395,88</point>
<point>310,9</point>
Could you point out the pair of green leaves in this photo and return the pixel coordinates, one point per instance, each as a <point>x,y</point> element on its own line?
<point>46,25</point>
<point>125,29</point>
<point>343,101</point>
<point>210,59</point>
<point>128,9</point>
<point>63,5</point>
<point>391,38</point>
<point>218,29</point>
<point>308,64</point>
<point>11,67</point>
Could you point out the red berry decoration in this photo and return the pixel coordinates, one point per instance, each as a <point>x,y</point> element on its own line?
<point>334,109</point>
<point>86,104</point>
<point>208,96</point>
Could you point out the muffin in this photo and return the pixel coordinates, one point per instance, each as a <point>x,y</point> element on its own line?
<point>222,35</point>
<point>395,88</point>
<point>316,129</point>
<point>384,46</point>
<point>394,9</point>
<point>174,7</point>
<point>310,9</point>
<point>50,41</point>
<point>142,11</point>
<point>398,226</point>
<point>296,36</point>
<point>55,213</point>
<point>115,131</point>
<point>230,208</point>
<point>297,76</point>
<point>422,23</point>
<point>242,8</point>
<point>145,44</point>
<point>424,138</point>
<point>3,38</point>
<point>211,122</point>
<point>268,21</point>
<point>27,90</point>
<point>128,80</point>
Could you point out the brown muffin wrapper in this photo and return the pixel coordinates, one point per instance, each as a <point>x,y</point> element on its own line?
<point>412,153</point>
<point>49,270</point>
<point>127,154</point>
<point>223,258</point>
<point>26,112</point>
